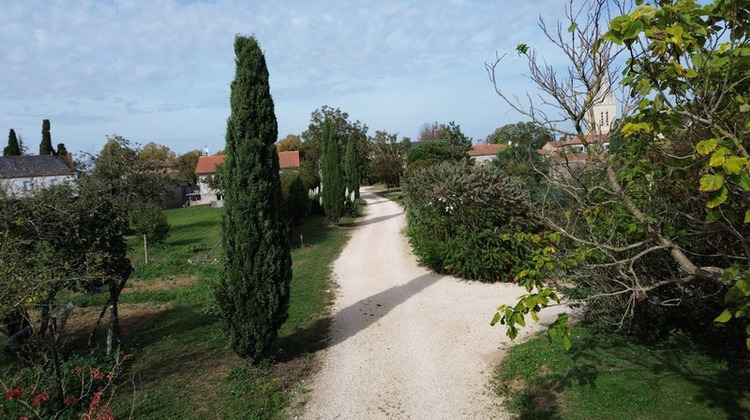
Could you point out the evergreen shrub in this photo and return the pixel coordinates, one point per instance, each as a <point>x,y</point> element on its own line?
<point>470,221</point>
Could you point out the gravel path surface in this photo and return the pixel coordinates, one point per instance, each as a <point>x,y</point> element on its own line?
<point>406,343</point>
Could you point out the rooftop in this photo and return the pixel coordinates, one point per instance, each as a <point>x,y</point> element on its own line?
<point>32,166</point>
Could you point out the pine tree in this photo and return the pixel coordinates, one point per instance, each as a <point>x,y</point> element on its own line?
<point>253,294</point>
<point>332,179</point>
<point>352,169</point>
<point>45,148</point>
<point>13,148</point>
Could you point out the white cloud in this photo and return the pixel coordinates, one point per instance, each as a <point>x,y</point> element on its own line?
<point>397,62</point>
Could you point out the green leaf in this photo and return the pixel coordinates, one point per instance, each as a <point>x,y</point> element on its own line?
<point>745,108</point>
<point>520,321</point>
<point>718,198</point>
<point>712,217</point>
<point>632,29</point>
<point>734,164</point>
<point>495,319</point>
<point>724,317</point>
<point>710,182</point>
<point>717,159</point>
<point>747,216</point>
<point>743,181</point>
<point>632,128</point>
<point>566,343</point>
<point>705,147</point>
<point>572,27</point>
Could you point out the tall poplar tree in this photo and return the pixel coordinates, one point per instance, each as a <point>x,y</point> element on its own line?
<point>352,168</point>
<point>253,294</point>
<point>13,148</point>
<point>333,178</point>
<point>45,147</point>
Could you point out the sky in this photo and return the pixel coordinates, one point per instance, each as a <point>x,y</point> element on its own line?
<point>160,70</point>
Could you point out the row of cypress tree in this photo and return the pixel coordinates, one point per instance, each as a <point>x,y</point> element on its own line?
<point>15,148</point>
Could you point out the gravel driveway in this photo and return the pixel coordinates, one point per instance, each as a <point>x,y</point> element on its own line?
<point>406,343</point>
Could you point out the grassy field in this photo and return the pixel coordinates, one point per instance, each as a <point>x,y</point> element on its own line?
<point>181,366</point>
<point>606,376</point>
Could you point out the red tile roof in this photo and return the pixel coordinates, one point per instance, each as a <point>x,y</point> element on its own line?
<point>289,159</point>
<point>552,145</point>
<point>207,164</point>
<point>485,149</point>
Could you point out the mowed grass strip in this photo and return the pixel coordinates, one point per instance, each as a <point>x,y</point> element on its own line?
<point>608,376</point>
<point>182,367</point>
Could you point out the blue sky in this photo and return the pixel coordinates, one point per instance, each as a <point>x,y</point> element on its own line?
<point>159,70</point>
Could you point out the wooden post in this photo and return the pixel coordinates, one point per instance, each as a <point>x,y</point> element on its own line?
<point>145,248</point>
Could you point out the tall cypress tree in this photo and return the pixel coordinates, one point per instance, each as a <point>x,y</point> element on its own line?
<point>333,178</point>
<point>13,148</point>
<point>254,290</point>
<point>352,169</point>
<point>45,147</point>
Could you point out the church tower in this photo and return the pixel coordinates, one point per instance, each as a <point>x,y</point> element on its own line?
<point>603,111</point>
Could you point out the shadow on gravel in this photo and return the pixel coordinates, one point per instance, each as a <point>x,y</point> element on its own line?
<point>350,320</point>
<point>357,317</point>
<point>375,220</point>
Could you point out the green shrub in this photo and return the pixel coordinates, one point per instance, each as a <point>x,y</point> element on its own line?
<point>295,196</point>
<point>434,151</point>
<point>465,220</point>
<point>148,219</point>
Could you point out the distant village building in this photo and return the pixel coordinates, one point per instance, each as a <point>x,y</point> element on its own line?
<point>206,169</point>
<point>603,113</point>
<point>21,176</point>
<point>483,153</point>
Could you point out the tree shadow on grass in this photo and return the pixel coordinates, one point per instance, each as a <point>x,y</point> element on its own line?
<point>207,224</point>
<point>184,335</point>
<point>726,389</point>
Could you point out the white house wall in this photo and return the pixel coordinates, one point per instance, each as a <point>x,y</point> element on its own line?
<point>25,187</point>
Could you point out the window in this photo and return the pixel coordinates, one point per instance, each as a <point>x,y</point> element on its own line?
<point>607,117</point>
<point>27,185</point>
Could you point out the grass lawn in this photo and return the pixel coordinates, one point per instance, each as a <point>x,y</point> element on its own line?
<point>606,376</point>
<point>181,367</point>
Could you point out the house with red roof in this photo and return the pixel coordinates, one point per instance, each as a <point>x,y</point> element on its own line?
<point>205,170</point>
<point>485,152</point>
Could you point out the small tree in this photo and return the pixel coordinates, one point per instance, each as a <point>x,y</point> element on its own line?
<point>186,164</point>
<point>253,294</point>
<point>13,148</point>
<point>62,151</point>
<point>45,147</point>
<point>526,135</point>
<point>149,222</point>
<point>333,179</point>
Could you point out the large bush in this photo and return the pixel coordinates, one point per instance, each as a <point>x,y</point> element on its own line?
<point>471,221</point>
<point>296,199</point>
<point>434,151</point>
